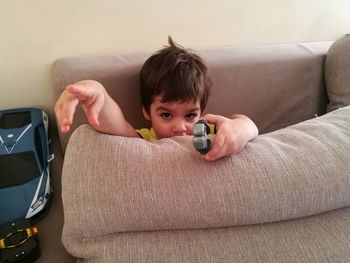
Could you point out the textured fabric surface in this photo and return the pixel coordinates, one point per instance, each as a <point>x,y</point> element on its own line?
<point>337,71</point>
<point>114,184</point>
<point>275,85</point>
<point>317,239</point>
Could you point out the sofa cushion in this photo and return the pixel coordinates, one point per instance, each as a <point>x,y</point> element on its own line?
<point>319,238</point>
<point>116,184</point>
<point>337,72</point>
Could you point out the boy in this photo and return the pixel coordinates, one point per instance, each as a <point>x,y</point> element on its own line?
<point>174,92</point>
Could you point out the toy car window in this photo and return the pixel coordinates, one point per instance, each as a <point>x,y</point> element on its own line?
<point>15,120</point>
<point>39,137</point>
<point>18,169</point>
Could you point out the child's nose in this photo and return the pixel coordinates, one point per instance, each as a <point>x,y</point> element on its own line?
<point>180,126</point>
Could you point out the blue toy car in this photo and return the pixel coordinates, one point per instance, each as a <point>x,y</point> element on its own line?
<point>25,185</point>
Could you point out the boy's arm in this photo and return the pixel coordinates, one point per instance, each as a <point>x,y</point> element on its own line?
<point>232,134</point>
<point>102,112</point>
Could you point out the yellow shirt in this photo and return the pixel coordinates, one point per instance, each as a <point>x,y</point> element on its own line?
<point>150,135</point>
<point>147,134</point>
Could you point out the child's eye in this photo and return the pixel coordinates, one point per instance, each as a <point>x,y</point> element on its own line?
<point>166,115</point>
<point>191,116</point>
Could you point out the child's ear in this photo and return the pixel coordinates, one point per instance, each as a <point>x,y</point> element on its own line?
<point>146,114</point>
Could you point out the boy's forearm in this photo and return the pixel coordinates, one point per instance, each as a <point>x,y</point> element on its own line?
<point>112,120</point>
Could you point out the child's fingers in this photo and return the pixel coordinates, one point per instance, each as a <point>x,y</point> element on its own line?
<point>66,115</point>
<point>217,150</point>
<point>212,118</point>
<point>92,115</point>
<point>82,93</point>
<point>93,110</point>
<point>65,125</point>
<point>64,110</point>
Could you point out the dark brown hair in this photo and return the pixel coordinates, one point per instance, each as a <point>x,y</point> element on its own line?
<point>175,73</point>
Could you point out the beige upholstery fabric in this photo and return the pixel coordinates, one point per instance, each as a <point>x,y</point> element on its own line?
<point>337,71</point>
<point>318,239</point>
<point>114,184</point>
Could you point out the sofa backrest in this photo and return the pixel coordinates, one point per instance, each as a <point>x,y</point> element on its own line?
<point>275,85</point>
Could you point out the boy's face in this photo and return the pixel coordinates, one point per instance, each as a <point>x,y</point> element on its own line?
<point>173,118</point>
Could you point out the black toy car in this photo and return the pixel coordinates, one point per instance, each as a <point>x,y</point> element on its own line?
<point>19,242</point>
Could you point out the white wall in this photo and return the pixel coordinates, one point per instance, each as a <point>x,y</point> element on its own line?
<point>35,33</point>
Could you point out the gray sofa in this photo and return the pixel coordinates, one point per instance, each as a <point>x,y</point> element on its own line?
<point>284,198</point>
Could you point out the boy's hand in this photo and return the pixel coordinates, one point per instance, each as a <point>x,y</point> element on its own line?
<point>231,135</point>
<point>90,94</point>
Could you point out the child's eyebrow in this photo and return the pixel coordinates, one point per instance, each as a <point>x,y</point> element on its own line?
<point>162,108</point>
<point>194,109</point>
